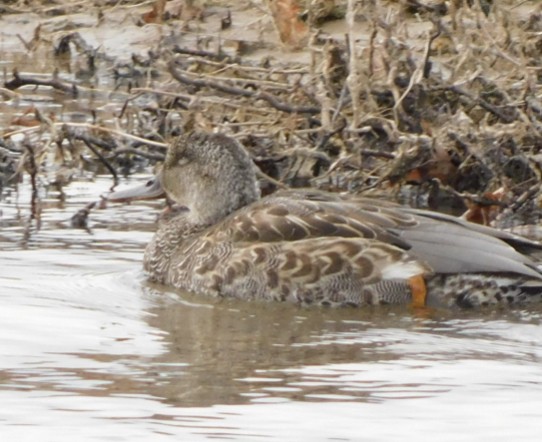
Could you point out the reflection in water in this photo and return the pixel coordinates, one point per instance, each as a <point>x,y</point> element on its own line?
<point>239,352</point>
<point>91,351</point>
<point>233,347</point>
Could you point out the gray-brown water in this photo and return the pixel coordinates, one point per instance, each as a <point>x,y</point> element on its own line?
<point>90,351</point>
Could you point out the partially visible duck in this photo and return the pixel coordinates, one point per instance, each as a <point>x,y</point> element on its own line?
<point>314,247</point>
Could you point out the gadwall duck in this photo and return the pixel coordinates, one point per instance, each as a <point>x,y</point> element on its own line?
<point>314,247</point>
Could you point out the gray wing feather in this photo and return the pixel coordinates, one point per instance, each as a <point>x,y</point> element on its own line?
<point>452,248</point>
<point>511,238</point>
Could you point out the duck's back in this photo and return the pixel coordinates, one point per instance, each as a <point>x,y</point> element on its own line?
<point>315,247</point>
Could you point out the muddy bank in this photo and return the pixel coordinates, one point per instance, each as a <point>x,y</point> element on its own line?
<point>436,104</point>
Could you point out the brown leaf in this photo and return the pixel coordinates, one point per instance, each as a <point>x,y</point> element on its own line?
<point>156,15</point>
<point>439,166</point>
<point>484,213</point>
<point>27,119</point>
<point>292,31</point>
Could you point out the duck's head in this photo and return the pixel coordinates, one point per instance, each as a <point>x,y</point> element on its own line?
<point>210,174</point>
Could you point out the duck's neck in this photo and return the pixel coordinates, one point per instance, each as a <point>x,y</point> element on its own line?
<point>182,228</point>
<point>212,207</point>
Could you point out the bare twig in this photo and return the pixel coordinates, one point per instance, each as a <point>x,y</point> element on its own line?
<point>19,81</point>
<point>232,90</point>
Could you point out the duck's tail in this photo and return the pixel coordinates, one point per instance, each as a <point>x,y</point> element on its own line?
<point>479,290</point>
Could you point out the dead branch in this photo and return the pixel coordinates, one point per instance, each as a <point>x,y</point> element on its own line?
<point>232,90</point>
<point>19,81</point>
<point>504,117</point>
<point>134,151</point>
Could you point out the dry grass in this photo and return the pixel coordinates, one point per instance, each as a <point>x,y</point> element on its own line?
<point>441,106</point>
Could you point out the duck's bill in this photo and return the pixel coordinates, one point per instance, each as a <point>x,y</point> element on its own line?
<point>152,189</point>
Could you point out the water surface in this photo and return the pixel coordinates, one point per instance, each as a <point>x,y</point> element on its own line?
<point>91,351</point>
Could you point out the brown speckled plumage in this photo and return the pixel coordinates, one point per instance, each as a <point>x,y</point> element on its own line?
<point>313,247</point>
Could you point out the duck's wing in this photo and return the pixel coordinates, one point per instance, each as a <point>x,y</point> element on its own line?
<point>447,244</point>
<point>322,270</point>
<point>291,217</point>
<point>526,245</point>
<point>459,247</point>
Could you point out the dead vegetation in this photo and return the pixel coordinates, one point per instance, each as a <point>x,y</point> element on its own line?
<point>434,103</point>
